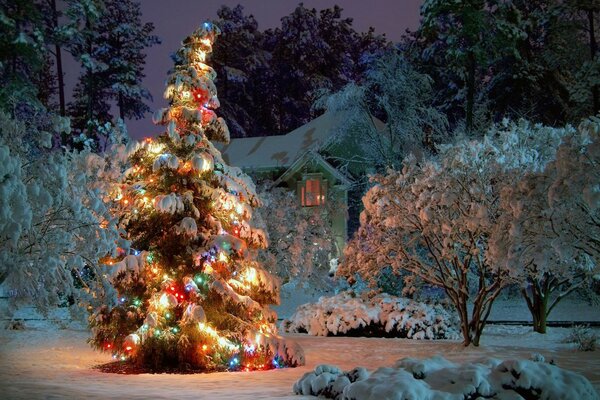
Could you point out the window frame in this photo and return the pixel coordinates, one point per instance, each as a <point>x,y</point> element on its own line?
<point>301,190</point>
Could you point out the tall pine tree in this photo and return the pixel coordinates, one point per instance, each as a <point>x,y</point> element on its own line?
<point>110,44</point>
<point>195,297</point>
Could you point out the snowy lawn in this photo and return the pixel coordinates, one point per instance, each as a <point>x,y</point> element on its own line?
<point>58,363</point>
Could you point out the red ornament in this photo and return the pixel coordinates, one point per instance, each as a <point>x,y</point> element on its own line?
<point>200,95</point>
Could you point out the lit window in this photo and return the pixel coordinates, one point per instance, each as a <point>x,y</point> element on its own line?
<point>312,191</point>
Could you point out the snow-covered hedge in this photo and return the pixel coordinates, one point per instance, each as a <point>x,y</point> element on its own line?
<point>439,379</point>
<point>382,315</point>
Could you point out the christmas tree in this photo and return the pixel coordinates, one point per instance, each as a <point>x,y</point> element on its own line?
<point>192,296</point>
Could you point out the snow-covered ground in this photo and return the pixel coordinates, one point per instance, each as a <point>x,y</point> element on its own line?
<point>53,364</point>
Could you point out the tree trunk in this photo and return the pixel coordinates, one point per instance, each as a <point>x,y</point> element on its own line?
<point>593,49</point>
<point>121,105</point>
<point>470,90</point>
<point>463,314</point>
<point>59,67</point>
<point>537,302</point>
<point>540,305</point>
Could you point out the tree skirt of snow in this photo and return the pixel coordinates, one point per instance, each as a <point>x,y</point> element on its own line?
<point>436,378</point>
<point>382,315</point>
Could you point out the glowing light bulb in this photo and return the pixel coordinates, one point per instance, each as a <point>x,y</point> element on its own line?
<point>222,257</point>
<point>164,300</point>
<point>156,148</point>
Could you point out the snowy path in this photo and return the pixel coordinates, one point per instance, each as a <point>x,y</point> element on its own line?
<point>38,364</point>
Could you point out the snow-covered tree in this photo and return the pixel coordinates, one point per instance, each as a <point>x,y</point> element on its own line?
<point>434,219</point>
<point>108,39</point>
<point>194,297</point>
<point>524,241</point>
<point>22,50</point>
<point>124,40</point>
<point>301,239</point>
<point>432,222</point>
<point>402,97</point>
<point>54,226</point>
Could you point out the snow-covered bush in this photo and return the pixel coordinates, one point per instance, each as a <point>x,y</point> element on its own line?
<point>53,224</point>
<point>381,315</point>
<point>546,235</point>
<point>439,379</point>
<point>583,337</point>
<point>301,239</point>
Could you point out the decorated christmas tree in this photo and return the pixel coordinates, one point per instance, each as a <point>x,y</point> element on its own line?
<point>191,296</point>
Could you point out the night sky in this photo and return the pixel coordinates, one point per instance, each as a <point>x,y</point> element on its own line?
<point>176,19</point>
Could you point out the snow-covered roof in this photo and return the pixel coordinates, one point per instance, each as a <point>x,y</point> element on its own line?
<point>283,150</point>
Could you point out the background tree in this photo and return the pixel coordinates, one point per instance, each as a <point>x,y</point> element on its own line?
<point>393,91</point>
<point>194,298</point>
<point>270,79</point>
<point>22,50</point>
<point>534,81</point>
<point>466,37</point>
<point>582,15</point>
<point>108,39</point>
<point>124,39</point>
<point>239,59</point>
<point>523,240</point>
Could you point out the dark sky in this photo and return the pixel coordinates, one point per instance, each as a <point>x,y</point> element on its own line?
<point>175,19</point>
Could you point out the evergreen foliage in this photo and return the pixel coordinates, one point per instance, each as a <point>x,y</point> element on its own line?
<point>191,296</point>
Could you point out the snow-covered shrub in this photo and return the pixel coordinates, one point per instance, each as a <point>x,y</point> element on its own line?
<point>439,379</point>
<point>328,381</point>
<point>382,315</point>
<point>53,223</point>
<point>583,337</point>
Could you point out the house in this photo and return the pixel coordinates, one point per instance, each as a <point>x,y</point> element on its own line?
<point>296,160</point>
